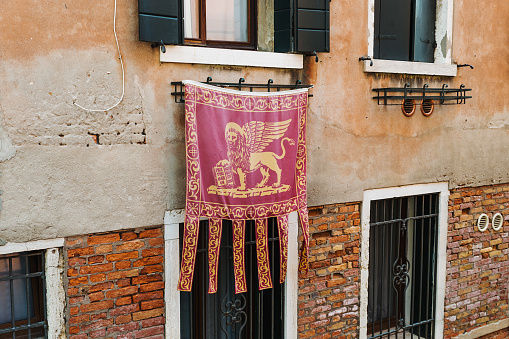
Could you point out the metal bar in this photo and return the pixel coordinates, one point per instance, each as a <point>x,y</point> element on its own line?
<point>11,285</point>
<point>22,327</point>
<point>43,269</point>
<point>21,276</point>
<point>27,291</point>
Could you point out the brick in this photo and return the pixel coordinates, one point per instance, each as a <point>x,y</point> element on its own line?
<point>123,274</point>
<point>96,296</point>
<point>148,296</point>
<point>122,256</point>
<point>148,314</point>
<point>125,327</point>
<point>79,336</point>
<point>96,306</point>
<point>126,236</point>
<point>72,272</point>
<point>156,242</point>
<point>101,287</point>
<point>122,292</point>
<point>96,268</point>
<point>124,301</point>
<point>130,245</point>
<point>74,329</point>
<point>98,316</point>
<point>76,261</point>
<point>103,239</point>
<point>122,265</point>
<point>78,281</point>
<point>97,333</point>
<point>152,252</point>
<point>74,310</point>
<point>79,252</point>
<point>151,304</point>
<point>124,282</point>
<point>97,324</point>
<point>147,278</point>
<point>98,277</point>
<point>152,322</point>
<point>103,249</point>
<point>124,309</point>
<point>153,233</point>
<point>79,319</point>
<point>152,286</point>
<point>148,261</point>
<point>151,269</point>
<point>123,319</point>
<point>96,259</point>
<point>147,332</point>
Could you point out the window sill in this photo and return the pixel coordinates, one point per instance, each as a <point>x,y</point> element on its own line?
<point>230,57</point>
<point>406,67</point>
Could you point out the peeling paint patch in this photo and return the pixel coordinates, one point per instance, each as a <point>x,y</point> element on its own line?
<point>7,150</point>
<point>443,45</point>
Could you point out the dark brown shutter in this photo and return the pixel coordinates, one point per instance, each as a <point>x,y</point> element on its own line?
<point>301,25</point>
<point>393,29</point>
<point>160,20</point>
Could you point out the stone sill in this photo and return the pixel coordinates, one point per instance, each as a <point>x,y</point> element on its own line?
<point>230,57</point>
<point>406,67</point>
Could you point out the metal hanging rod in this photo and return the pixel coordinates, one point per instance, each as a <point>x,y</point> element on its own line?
<point>442,96</point>
<point>178,86</point>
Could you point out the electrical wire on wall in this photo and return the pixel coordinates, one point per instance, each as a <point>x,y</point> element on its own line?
<point>121,65</point>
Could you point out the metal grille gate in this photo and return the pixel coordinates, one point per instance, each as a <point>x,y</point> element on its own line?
<point>250,315</point>
<point>22,296</point>
<point>402,267</point>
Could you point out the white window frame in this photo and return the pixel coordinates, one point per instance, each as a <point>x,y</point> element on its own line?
<point>443,32</point>
<point>172,219</point>
<point>442,189</point>
<point>230,57</point>
<point>53,272</point>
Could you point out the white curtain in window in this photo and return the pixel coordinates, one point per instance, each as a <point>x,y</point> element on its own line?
<point>19,291</point>
<point>227,20</point>
<point>191,19</point>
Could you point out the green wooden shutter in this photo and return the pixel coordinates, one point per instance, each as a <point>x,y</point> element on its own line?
<point>393,29</point>
<point>160,20</point>
<point>301,25</point>
<point>424,41</point>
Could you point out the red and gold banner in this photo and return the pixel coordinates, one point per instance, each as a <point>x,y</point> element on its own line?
<point>245,159</point>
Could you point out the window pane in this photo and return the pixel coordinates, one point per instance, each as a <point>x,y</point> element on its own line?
<point>227,20</point>
<point>191,19</point>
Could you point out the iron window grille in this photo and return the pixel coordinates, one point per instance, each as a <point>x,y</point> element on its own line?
<point>22,296</point>
<point>403,267</point>
<point>224,314</point>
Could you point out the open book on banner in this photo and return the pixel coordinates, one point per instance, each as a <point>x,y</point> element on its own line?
<point>245,160</point>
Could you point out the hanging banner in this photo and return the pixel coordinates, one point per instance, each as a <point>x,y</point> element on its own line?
<point>245,159</point>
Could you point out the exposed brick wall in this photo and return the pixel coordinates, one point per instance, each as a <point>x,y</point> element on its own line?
<point>477,262</point>
<point>115,285</point>
<point>80,128</point>
<point>329,292</point>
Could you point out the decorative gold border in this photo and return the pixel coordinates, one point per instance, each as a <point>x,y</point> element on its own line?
<point>282,222</point>
<point>215,231</point>
<point>189,246</point>
<point>239,235</point>
<point>262,254</point>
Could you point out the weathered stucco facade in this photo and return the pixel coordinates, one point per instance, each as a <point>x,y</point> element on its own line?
<point>67,172</point>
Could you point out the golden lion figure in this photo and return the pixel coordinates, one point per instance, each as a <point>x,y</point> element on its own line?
<point>246,146</point>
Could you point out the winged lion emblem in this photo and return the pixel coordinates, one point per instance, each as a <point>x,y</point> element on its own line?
<point>246,147</point>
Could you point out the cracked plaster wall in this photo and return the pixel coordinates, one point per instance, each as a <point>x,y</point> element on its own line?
<point>79,172</point>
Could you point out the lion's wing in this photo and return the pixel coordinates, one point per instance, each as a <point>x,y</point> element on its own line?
<point>260,134</point>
